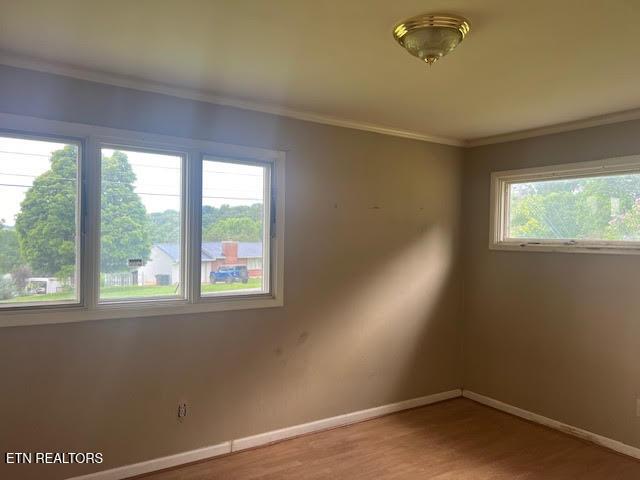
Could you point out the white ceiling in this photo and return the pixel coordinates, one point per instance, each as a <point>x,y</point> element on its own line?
<point>526,63</point>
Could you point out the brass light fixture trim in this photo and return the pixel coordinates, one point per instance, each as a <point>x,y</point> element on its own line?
<point>431,36</point>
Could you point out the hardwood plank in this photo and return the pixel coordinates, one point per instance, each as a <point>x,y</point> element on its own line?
<point>455,439</point>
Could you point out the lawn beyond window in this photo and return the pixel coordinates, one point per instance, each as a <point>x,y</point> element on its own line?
<point>596,208</point>
<point>141,292</point>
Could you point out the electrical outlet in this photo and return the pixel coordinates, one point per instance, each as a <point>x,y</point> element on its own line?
<point>182,410</point>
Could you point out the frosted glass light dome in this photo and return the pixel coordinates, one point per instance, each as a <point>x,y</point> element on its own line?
<point>430,37</point>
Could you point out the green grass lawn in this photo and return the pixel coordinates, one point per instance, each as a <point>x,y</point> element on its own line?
<point>107,293</point>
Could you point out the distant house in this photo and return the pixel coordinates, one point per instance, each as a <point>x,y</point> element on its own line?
<point>163,267</point>
<point>42,285</point>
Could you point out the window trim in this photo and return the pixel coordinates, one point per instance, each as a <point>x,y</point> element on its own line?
<point>499,206</point>
<point>90,138</point>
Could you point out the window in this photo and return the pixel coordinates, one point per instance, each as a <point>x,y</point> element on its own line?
<point>235,227</point>
<point>39,222</point>
<point>587,207</point>
<point>140,225</point>
<point>104,223</point>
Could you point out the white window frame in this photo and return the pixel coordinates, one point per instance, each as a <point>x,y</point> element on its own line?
<point>499,209</point>
<point>91,138</point>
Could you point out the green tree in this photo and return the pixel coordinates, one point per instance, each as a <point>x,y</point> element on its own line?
<point>7,288</point>
<point>124,224</point>
<point>20,277</point>
<point>9,249</point>
<point>164,227</point>
<point>608,198</point>
<point>242,229</point>
<point>46,224</point>
<point>626,226</point>
<point>239,221</point>
<point>551,215</point>
<point>599,207</point>
<point>211,215</point>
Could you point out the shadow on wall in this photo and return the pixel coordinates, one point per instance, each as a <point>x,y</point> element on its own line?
<point>373,340</point>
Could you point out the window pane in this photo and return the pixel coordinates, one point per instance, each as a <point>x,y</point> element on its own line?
<point>234,231</point>
<point>140,225</point>
<point>38,222</point>
<point>603,208</point>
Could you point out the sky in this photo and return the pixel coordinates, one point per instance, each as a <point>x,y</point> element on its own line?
<point>158,177</point>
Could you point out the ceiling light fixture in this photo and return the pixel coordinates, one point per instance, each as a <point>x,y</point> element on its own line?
<point>431,36</point>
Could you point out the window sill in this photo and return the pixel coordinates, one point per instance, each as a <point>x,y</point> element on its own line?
<point>63,314</point>
<point>565,248</point>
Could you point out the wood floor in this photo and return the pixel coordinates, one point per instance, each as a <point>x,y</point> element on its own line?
<point>456,439</point>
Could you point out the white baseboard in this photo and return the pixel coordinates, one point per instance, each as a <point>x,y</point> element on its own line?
<point>340,420</point>
<point>264,438</point>
<point>609,443</point>
<point>158,463</point>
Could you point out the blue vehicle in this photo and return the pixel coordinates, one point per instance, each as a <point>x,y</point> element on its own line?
<point>230,274</point>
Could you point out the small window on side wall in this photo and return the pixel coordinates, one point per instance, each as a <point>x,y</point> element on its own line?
<point>582,207</point>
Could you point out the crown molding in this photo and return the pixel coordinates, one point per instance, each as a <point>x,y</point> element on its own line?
<point>607,119</point>
<point>55,68</point>
<point>19,61</point>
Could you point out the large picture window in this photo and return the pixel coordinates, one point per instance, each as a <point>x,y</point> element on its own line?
<point>104,223</point>
<point>591,206</point>
<point>39,222</point>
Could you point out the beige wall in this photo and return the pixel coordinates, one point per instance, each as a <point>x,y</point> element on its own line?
<point>372,297</point>
<point>554,333</point>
